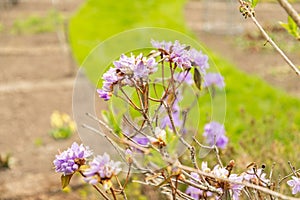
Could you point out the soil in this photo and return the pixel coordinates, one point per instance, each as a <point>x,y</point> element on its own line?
<point>35,80</point>
<point>37,77</point>
<point>221,36</point>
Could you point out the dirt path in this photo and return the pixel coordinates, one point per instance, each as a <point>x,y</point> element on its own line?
<point>266,64</point>
<point>34,80</point>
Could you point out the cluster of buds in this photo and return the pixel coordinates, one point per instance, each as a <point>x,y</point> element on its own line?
<point>246,9</point>
<point>75,159</point>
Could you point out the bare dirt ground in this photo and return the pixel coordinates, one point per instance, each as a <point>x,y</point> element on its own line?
<point>35,80</point>
<point>218,36</point>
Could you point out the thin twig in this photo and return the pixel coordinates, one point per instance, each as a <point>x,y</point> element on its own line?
<point>285,177</point>
<point>201,145</point>
<point>96,187</point>
<point>113,193</point>
<point>104,195</point>
<point>292,168</point>
<point>116,147</point>
<point>133,126</point>
<point>131,142</point>
<point>214,147</point>
<point>183,141</point>
<point>103,124</point>
<point>128,100</point>
<point>205,184</point>
<point>250,14</point>
<point>218,155</point>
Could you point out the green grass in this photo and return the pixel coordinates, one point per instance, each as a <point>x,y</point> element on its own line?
<point>262,122</point>
<point>98,20</point>
<point>35,24</point>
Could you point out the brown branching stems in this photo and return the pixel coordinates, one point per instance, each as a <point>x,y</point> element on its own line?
<point>247,184</point>
<point>100,192</point>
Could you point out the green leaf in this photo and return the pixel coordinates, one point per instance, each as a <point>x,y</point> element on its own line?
<point>254,3</point>
<point>291,27</point>
<point>155,157</point>
<point>113,121</point>
<point>172,141</point>
<point>61,133</point>
<point>292,24</point>
<point>65,180</point>
<point>197,78</point>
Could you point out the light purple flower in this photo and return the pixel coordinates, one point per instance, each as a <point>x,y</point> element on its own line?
<point>127,71</point>
<point>136,67</point>
<point>104,94</point>
<point>218,171</point>
<point>71,159</point>
<point>194,192</point>
<point>161,45</point>
<point>101,168</point>
<point>214,133</point>
<point>141,140</point>
<point>199,59</point>
<point>214,79</point>
<point>109,79</point>
<point>295,184</point>
<point>236,189</point>
<point>174,52</point>
<point>166,122</point>
<point>184,77</point>
<point>182,55</point>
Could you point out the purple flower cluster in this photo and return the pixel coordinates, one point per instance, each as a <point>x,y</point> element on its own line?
<point>214,133</point>
<point>166,122</point>
<point>235,189</point>
<point>194,192</point>
<point>294,184</point>
<point>70,160</point>
<point>213,79</point>
<point>183,56</point>
<point>101,168</point>
<point>185,77</point>
<point>127,71</point>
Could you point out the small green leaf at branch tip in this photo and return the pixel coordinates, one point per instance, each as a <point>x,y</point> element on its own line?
<point>65,180</point>
<point>254,3</point>
<point>291,27</point>
<point>197,78</point>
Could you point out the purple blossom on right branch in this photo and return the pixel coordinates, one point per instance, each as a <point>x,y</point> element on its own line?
<point>102,169</point>
<point>213,79</point>
<point>294,184</point>
<point>214,134</point>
